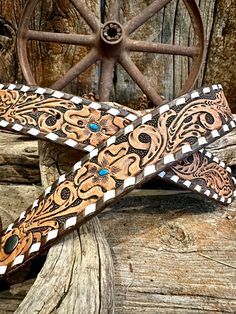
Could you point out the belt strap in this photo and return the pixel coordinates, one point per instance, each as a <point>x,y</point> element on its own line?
<point>136,153</point>
<point>82,124</point>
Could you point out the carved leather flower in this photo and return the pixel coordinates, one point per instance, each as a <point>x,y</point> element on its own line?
<point>103,173</point>
<point>113,163</point>
<point>97,179</point>
<point>91,125</point>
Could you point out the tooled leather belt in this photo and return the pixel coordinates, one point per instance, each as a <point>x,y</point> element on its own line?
<point>124,150</point>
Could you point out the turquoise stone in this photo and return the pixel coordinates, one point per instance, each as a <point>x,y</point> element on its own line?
<point>11,244</point>
<point>103,172</point>
<point>94,127</point>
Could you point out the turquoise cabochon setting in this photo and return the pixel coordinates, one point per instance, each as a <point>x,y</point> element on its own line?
<point>94,127</point>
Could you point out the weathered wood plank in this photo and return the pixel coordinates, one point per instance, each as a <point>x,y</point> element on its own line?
<point>172,254</point>
<point>15,199</point>
<point>221,60</point>
<point>10,299</point>
<point>224,148</point>
<point>19,162</point>
<point>55,59</point>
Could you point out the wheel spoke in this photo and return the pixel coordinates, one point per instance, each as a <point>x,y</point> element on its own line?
<point>86,14</point>
<point>77,69</point>
<point>146,14</point>
<point>113,11</point>
<point>146,46</point>
<point>74,39</point>
<point>126,62</point>
<point>106,79</point>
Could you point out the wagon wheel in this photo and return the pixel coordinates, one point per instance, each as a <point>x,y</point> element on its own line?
<point>111,44</point>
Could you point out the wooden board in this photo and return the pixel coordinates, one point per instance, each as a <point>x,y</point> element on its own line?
<point>221,57</point>
<point>19,162</point>
<point>172,254</point>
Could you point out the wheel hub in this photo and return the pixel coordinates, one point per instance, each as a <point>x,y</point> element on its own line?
<point>112,33</point>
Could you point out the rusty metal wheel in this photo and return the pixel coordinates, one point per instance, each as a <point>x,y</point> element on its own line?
<point>111,43</point>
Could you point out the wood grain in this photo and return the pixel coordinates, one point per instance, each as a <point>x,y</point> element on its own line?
<point>221,59</point>
<point>19,162</point>
<point>172,254</point>
<point>14,199</point>
<point>224,148</point>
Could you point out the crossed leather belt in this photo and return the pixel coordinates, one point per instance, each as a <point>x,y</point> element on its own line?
<point>123,149</point>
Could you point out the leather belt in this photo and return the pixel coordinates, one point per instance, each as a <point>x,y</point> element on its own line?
<point>124,150</point>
